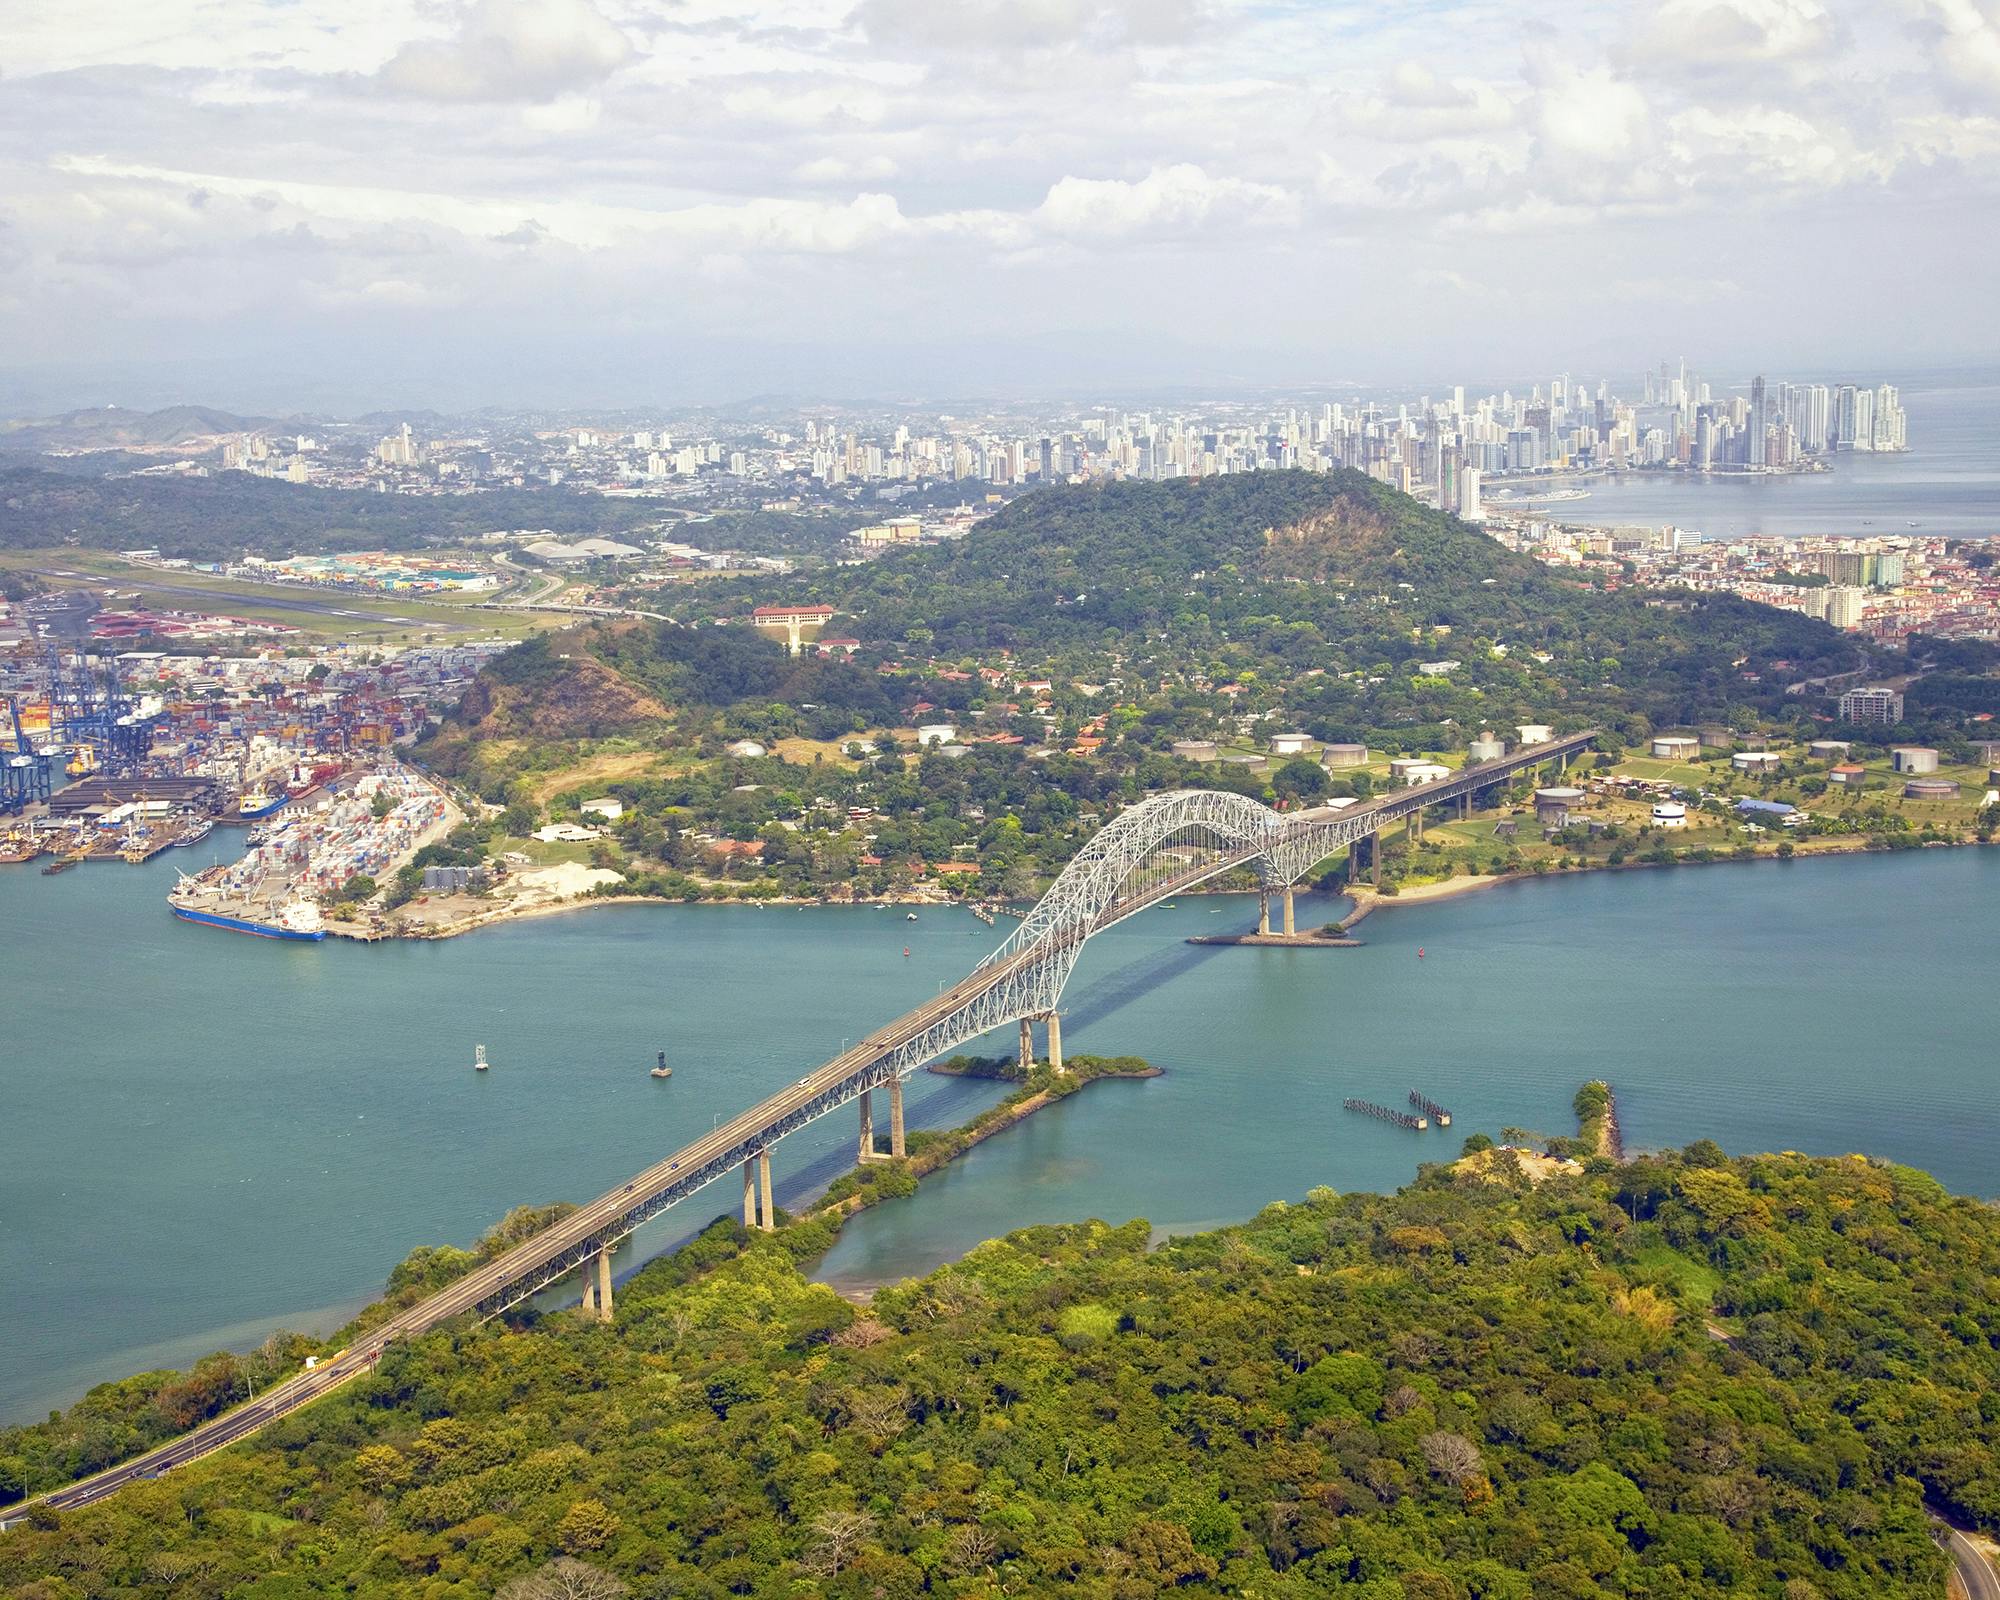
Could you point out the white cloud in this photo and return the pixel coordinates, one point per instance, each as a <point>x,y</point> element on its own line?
<point>1178,201</point>
<point>725,163</point>
<point>842,169</point>
<point>1766,145</point>
<point>1964,36</point>
<point>1021,24</point>
<point>1415,106</point>
<point>757,225</point>
<point>1731,35</point>
<point>1586,113</point>
<point>532,50</point>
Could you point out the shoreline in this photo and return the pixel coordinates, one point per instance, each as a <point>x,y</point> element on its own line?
<point>496,915</point>
<point>1367,901</point>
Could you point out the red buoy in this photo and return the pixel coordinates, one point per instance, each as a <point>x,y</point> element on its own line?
<point>906,950</point>
<point>1420,952</point>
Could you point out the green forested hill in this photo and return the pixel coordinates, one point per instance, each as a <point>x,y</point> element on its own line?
<point>1685,1377</point>
<point>1328,588</point>
<point>1326,570</point>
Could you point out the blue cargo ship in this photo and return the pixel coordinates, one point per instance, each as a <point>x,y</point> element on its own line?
<point>282,928</point>
<point>260,802</point>
<point>296,919</point>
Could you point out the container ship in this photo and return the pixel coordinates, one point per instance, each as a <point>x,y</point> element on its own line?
<point>296,919</point>
<point>259,802</point>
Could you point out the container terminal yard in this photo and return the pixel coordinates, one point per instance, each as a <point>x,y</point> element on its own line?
<point>365,828</point>
<point>120,758</point>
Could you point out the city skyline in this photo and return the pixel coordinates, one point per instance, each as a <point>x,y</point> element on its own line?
<point>539,203</point>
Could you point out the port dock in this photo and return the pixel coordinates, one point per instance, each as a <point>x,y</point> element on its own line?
<point>1430,1108</point>
<point>1401,1119</point>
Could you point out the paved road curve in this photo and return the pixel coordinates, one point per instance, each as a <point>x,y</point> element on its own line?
<point>1974,1570</point>
<point>612,1215</point>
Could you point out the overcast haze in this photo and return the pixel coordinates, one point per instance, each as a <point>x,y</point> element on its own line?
<point>342,203</point>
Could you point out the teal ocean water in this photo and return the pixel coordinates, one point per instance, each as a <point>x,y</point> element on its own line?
<point>205,1136</point>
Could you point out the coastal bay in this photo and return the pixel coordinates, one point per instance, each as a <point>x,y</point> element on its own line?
<point>310,1110</point>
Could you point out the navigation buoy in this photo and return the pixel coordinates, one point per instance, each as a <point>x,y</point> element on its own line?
<point>1420,952</point>
<point>906,952</point>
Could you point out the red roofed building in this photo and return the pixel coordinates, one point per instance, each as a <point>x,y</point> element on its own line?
<point>794,620</point>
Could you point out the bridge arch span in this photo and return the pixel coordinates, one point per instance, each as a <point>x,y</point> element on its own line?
<point>1156,847</point>
<point>1132,845</point>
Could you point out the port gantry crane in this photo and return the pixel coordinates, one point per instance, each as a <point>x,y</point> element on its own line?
<point>93,715</point>
<point>25,769</point>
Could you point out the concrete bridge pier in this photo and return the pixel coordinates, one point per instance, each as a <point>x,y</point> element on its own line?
<point>596,1275</point>
<point>770,1218</point>
<point>1055,1043</point>
<point>1027,1052</point>
<point>750,1193</point>
<point>896,1117</point>
<point>868,1151</point>
<point>1289,927</point>
<point>1264,912</point>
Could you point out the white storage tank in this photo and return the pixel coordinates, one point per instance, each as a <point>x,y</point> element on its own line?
<point>1676,747</point>
<point>1344,755</point>
<point>1487,747</point>
<point>1553,806</point>
<point>1195,749</point>
<point>1535,733</point>
<point>1669,814</point>
<point>1756,760</point>
<point>1914,758</point>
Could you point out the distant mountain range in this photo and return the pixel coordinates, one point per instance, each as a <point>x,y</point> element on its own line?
<point>114,428</point>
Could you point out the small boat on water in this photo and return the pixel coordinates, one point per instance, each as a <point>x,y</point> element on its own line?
<point>910,917</point>
<point>663,1070</point>
<point>479,1058</point>
<point>194,833</point>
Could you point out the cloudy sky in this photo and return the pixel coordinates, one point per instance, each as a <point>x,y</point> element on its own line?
<point>349,202</point>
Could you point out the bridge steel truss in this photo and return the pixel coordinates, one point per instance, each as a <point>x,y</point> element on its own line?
<point>1151,851</point>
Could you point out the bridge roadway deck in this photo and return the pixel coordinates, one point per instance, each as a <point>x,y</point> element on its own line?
<point>560,1248</point>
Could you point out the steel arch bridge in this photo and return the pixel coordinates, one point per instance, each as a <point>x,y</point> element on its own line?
<point>1149,852</point>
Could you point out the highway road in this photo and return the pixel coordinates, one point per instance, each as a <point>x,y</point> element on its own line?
<point>1974,1570</point>
<point>612,1215</point>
